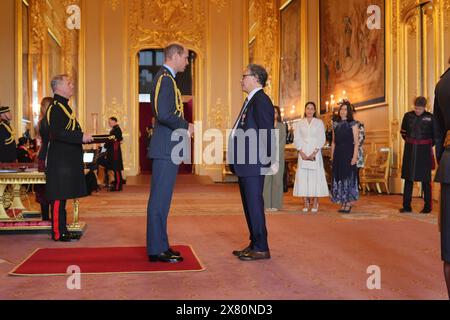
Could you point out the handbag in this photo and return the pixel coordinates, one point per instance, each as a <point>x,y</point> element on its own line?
<point>309,164</point>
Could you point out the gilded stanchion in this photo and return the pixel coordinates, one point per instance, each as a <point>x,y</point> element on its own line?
<point>76,205</point>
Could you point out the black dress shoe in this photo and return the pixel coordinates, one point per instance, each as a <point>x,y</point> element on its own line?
<point>405,210</point>
<point>165,257</point>
<point>68,237</point>
<point>239,253</point>
<point>426,211</point>
<point>255,255</point>
<point>65,237</point>
<point>174,253</point>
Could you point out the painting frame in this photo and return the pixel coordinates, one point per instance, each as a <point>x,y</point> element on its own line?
<point>360,97</point>
<point>291,68</point>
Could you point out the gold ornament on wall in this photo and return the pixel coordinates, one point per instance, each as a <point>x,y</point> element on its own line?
<point>37,27</point>
<point>266,27</point>
<point>114,109</point>
<point>218,116</point>
<point>171,21</point>
<point>219,4</point>
<point>446,14</point>
<point>113,4</point>
<point>395,125</point>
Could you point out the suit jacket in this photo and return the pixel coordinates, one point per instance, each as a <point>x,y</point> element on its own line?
<point>249,158</point>
<point>167,118</point>
<point>441,126</point>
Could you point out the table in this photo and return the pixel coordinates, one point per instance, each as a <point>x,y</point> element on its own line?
<point>17,178</point>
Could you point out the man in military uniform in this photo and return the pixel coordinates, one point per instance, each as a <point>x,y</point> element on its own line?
<point>418,159</point>
<point>65,168</point>
<point>114,155</point>
<point>167,108</point>
<point>442,136</point>
<point>7,139</point>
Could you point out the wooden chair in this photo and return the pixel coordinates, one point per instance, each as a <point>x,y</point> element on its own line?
<point>377,170</point>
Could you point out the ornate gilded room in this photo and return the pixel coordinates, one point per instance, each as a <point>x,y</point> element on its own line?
<point>376,59</point>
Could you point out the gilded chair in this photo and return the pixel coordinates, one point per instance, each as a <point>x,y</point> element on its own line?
<point>377,170</point>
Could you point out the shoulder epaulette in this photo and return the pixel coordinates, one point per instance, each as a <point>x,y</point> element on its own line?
<point>11,132</point>
<point>71,125</point>
<point>178,98</point>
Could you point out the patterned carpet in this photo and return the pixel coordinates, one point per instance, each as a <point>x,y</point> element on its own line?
<point>322,256</point>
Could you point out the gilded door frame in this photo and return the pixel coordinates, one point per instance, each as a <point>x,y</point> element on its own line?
<point>134,98</point>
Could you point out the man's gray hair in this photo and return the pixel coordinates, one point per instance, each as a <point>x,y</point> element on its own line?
<point>259,72</point>
<point>56,81</point>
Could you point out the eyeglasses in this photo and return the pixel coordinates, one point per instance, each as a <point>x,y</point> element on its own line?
<point>247,75</point>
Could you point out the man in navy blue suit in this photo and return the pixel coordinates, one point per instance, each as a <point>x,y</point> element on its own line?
<point>167,107</point>
<point>250,158</point>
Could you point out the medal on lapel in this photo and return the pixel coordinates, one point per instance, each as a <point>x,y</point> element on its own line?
<point>244,115</point>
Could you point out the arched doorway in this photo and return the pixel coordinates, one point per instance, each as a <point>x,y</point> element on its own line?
<point>150,61</point>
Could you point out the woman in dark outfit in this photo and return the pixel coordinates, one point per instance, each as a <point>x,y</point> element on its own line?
<point>43,134</point>
<point>344,150</point>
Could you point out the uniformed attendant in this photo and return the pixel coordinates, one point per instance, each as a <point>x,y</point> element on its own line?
<point>418,159</point>
<point>442,135</point>
<point>7,138</point>
<point>167,107</point>
<point>65,169</point>
<point>114,155</point>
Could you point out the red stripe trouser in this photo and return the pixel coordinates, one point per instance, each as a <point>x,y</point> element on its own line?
<point>59,218</point>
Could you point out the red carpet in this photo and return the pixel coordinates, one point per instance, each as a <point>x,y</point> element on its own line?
<point>48,262</point>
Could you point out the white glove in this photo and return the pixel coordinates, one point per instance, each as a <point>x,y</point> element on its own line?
<point>274,169</point>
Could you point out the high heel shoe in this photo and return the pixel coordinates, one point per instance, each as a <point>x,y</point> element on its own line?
<point>306,208</point>
<point>348,209</point>
<point>315,207</point>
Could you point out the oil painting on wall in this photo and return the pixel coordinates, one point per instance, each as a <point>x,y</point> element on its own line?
<point>290,68</point>
<point>352,55</point>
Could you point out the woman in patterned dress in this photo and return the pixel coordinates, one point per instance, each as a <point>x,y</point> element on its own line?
<point>344,150</point>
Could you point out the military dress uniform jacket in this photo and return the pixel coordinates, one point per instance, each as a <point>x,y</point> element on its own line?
<point>65,167</point>
<point>442,127</point>
<point>8,146</point>
<point>113,150</point>
<point>419,140</point>
<point>167,108</point>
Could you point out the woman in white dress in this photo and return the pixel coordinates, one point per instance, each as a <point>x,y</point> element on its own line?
<point>309,139</point>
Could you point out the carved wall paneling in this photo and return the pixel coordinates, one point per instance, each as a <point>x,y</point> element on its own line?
<point>263,17</point>
<point>46,27</point>
<point>190,23</point>
<point>171,21</point>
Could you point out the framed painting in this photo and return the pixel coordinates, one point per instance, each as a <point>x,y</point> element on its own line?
<point>352,55</point>
<point>290,57</point>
